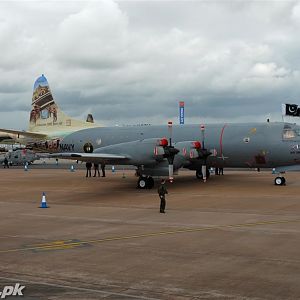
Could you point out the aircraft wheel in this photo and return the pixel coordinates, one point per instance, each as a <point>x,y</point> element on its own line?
<point>150,182</point>
<point>142,183</point>
<point>199,174</point>
<point>279,181</point>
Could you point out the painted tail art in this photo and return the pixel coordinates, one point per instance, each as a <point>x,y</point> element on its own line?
<point>46,116</point>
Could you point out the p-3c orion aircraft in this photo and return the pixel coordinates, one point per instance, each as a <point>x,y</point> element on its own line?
<point>162,150</point>
<point>254,145</point>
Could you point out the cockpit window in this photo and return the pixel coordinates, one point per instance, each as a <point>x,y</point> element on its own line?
<point>289,134</point>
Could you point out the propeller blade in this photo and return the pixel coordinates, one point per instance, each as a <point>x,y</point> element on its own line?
<point>204,172</point>
<point>170,125</point>
<point>202,128</point>
<point>205,152</point>
<point>171,172</point>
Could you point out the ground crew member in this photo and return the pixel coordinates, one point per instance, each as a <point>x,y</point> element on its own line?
<point>162,191</point>
<point>88,166</point>
<point>6,163</point>
<point>103,170</point>
<point>96,169</point>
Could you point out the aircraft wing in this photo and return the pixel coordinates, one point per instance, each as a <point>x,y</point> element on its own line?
<point>9,134</point>
<point>93,157</point>
<point>6,140</point>
<point>294,168</point>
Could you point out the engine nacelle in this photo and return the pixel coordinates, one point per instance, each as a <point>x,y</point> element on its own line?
<point>190,149</point>
<point>141,152</point>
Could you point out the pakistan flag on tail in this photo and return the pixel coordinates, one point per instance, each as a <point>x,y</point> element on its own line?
<point>45,115</point>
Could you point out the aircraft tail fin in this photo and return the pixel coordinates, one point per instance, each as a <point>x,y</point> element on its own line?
<point>46,116</point>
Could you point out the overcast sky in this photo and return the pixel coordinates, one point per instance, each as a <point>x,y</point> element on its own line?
<point>130,62</point>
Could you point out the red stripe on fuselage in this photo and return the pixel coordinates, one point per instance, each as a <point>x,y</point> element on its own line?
<point>221,140</point>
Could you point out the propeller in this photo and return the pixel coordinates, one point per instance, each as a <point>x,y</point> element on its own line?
<point>203,152</point>
<point>170,153</point>
<point>167,150</point>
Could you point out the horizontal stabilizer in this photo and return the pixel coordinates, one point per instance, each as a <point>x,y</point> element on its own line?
<point>9,134</point>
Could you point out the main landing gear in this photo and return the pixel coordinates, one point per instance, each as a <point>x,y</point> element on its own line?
<point>280,180</point>
<point>199,173</point>
<point>145,182</point>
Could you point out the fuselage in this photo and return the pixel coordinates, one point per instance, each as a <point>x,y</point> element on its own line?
<point>231,145</point>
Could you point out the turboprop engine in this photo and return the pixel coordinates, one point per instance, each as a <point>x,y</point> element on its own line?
<point>192,150</point>
<point>147,152</point>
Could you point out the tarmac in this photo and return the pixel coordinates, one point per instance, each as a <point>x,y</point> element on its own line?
<point>234,237</point>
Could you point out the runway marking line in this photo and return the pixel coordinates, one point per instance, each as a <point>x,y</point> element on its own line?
<point>57,245</point>
<point>70,244</point>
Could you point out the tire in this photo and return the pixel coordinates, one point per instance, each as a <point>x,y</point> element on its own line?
<point>142,183</point>
<point>199,174</point>
<point>279,181</point>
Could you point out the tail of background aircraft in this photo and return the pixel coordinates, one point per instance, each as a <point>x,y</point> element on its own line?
<point>46,116</point>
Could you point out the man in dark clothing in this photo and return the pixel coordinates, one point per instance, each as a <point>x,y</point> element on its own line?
<point>162,191</point>
<point>221,171</point>
<point>103,170</point>
<point>6,163</point>
<point>88,169</point>
<point>96,169</point>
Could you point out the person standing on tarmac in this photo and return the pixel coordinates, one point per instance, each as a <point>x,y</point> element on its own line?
<point>88,166</point>
<point>162,191</point>
<point>103,170</point>
<point>6,163</point>
<point>96,169</point>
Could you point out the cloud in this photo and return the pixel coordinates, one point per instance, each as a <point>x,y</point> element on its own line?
<point>133,61</point>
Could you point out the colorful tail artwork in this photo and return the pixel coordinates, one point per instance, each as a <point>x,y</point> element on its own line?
<point>46,116</point>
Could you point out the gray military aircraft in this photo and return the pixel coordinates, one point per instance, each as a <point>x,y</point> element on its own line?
<point>20,157</point>
<point>160,150</point>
